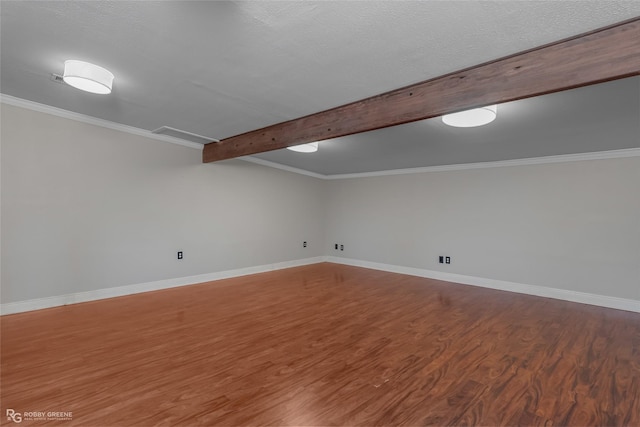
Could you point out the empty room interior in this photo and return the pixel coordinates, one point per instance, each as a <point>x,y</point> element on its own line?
<point>301,213</point>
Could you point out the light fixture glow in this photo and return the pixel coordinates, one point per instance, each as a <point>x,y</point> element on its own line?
<point>87,77</point>
<point>471,118</point>
<point>311,147</point>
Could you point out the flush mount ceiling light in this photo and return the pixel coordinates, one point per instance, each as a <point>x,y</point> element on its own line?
<point>311,147</point>
<point>87,77</point>
<point>471,118</point>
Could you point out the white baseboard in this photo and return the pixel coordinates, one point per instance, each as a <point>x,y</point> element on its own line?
<point>56,301</point>
<point>561,294</point>
<point>541,291</point>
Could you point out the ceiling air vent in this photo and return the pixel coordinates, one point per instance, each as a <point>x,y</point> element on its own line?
<point>181,134</point>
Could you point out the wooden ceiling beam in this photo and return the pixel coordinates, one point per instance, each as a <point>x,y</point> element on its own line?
<point>606,54</point>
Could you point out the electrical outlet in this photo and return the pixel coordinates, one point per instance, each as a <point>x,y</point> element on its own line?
<point>336,247</point>
<point>441,259</point>
<point>447,260</point>
<point>304,244</point>
<point>180,255</point>
<point>342,247</point>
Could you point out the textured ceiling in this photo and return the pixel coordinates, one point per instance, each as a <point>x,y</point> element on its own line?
<point>223,68</point>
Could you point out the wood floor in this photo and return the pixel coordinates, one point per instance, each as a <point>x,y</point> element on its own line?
<point>324,345</point>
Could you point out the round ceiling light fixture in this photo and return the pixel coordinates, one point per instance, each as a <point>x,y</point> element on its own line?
<point>471,118</point>
<point>311,147</point>
<point>88,77</point>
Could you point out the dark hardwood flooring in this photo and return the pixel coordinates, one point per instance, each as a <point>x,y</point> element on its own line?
<point>324,345</point>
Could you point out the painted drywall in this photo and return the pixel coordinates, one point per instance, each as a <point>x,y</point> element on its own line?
<point>88,212</point>
<point>572,226</point>
<point>86,208</point>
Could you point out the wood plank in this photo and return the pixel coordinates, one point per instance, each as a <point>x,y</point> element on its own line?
<point>324,344</point>
<point>598,56</point>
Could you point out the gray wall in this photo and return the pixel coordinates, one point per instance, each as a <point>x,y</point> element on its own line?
<point>86,208</point>
<point>572,226</point>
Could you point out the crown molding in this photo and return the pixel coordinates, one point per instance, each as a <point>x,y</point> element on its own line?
<point>66,114</point>
<point>282,167</point>
<point>563,158</point>
<point>598,155</point>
